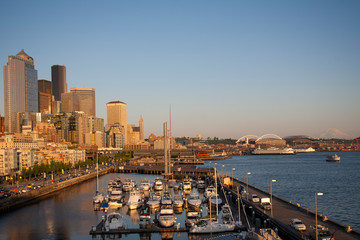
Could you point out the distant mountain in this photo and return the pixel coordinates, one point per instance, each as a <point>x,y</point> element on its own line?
<point>334,133</point>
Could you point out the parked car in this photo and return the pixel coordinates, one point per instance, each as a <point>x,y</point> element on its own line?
<point>297,224</point>
<point>255,198</point>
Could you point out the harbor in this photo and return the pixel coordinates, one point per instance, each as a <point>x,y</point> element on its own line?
<point>66,206</point>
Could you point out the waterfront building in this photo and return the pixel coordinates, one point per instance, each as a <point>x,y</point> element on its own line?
<point>17,140</point>
<point>20,88</point>
<point>8,162</point>
<point>95,138</point>
<point>45,96</point>
<point>26,158</point>
<point>48,132</point>
<point>86,100</point>
<point>58,80</point>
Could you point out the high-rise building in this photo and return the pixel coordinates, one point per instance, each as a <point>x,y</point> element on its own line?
<point>20,88</point>
<point>86,100</point>
<point>69,102</point>
<point>58,79</point>
<point>45,96</point>
<point>116,114</point>
<point>141,126</point>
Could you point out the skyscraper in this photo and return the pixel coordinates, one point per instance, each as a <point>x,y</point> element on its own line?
<point>141,126</point>
<point>20,88</point>
<point>86,99</point>
<point>45,96</point>
<point>116,114</point>
<point>58,79</point>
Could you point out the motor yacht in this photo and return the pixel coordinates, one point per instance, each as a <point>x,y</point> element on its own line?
<point>135,200</point>
<point>114,221</point>
<point>166,216</point>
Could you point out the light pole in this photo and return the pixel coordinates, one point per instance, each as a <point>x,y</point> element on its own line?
<point>316,228</point>
<point>271,202</point>
<point>232,178</point>
<point>222,166</point>
<point>247,186</point>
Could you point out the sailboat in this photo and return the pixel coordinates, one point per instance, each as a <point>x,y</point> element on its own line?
<point>208,226</point>
<point>99,197</point>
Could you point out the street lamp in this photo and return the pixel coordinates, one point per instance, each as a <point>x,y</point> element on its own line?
<point>316,228</point>
<point>271,201</point>
<point>247,186</point>
<point>232,178</point>
<point>222,166</point>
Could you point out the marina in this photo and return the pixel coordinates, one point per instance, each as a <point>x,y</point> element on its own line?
<point>77,204</point>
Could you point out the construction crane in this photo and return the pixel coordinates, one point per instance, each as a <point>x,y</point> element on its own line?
<point>357,141</point>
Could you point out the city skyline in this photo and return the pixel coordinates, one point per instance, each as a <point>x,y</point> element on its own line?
<point>227,69</point>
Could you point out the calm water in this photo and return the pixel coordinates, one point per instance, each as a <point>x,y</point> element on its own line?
<point>300,176</point>
<point>69,214</point>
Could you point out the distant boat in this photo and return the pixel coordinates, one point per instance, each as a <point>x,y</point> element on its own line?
<point>274,151</point>
<point>333,158</point>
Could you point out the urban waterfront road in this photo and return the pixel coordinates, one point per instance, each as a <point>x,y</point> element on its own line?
<point>284,212</point>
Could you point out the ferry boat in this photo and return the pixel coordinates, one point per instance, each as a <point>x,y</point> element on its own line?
<point>274,151</point>
<point>333,158</point>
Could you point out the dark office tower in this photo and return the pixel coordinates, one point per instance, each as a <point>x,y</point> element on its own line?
<point>45,96</point>
<point>58,79</point>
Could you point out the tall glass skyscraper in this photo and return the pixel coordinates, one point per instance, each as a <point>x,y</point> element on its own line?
<point>20,88</point>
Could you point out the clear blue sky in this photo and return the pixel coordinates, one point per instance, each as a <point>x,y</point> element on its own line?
<point>228,68</point>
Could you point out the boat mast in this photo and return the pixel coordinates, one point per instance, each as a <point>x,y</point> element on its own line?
<point>97,172</point>
<point>217,209</point>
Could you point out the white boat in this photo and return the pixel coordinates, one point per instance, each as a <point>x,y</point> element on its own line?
<point>194,201</point>
<point>158,185</point>
<point>128,185</point>
<point>166,199</point>
<point>135,200</point>
<point>154,201</point>
<point>98,198</point>
<point>333,158</point>
<point>144,220</point>
<point>206,226</point>
<point>145,185</point>
<point>166,216</point>
<point>115,195</point>
<point>117,203</point>
<point>187,184</point>
<point>114,221</point>
<point>178,201</point>
<point>274,151</point>
<point>201,184</point>
<point>210,192</point>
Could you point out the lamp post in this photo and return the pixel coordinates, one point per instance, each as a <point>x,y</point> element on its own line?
<point>232,178</point>
<point>222,166</point>
<point>316,228</point>
<point>247,186</point>
<point>271,181</point>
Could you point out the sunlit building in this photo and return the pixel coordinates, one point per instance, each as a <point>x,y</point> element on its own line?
<point>45,96</point>
<point>20,88</point>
